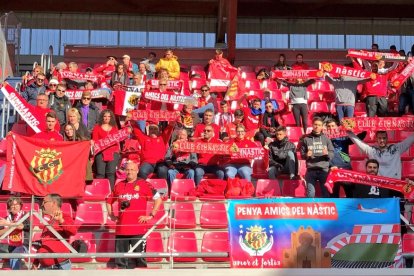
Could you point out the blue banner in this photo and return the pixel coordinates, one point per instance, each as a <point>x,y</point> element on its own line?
<point>304,233</point>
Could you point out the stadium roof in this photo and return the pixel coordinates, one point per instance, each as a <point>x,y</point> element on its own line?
<point>254,8</point>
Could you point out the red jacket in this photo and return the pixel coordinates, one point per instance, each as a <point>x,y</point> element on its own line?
<point>49,135</point>
<point>153,150</point>
<point>377,87</point>
<point>51,244</point>
<point>208,159</point>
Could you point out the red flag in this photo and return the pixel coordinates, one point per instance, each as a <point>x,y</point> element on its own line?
<point>41,167</point>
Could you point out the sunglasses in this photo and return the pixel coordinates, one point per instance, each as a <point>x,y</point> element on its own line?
<point>207,130</point>
<point>52,84</point>
<point>86,98</point>
<point>40,79</point>
<point>60,90</point>
<point>204,90</point>
<point>162,84</point>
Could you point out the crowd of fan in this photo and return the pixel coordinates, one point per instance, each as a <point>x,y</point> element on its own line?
<point>256,118</point>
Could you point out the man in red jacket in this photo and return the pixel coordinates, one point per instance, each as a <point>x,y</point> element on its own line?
<point>64,225</point>
<point>153,150</point>
<point>376,93</point>
<point>208,162</point>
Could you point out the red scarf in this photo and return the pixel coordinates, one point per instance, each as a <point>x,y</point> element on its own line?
<point>16,236</point>
<point>341,175</point>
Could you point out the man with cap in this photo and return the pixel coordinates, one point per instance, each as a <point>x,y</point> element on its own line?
<point>88,110</point>
<point>107,68</point>
<point>130,67</point>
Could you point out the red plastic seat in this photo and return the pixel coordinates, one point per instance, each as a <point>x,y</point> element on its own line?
<point>302,167</point>
<point>402,134</point>
<point>89,215</point>
<point>407,169</point>
<point>322,86</point>
<point>259,169</point>
<point>3,210</point>
<point>160,213</point>
<point>161,186</point>
<point>408,154</point>
<point>98,190</point>
<point>67,209</point>
<point>197,67</point>
<point>202,74</point>
<point>246,68</point>
<point>215,242</point>
<point>106,244</point>
<point>26,207</point>
<point>267,188</point>
<point>328,97</point>
<point>359,165</point>
<point>355,153</point>
<point>110,224</point>
<point>248,75</point>
<point>288,119</point>
<point>180,242</point>
<point>257,68</point>
<point>154,244</point>
<point>408,243</point>
<point>89,239</point>
<point>213,215</point>
<point>294,188</point>
<point>182,215</point>
<point>181,189</point>
<point>313,97</point>
<point>360,109</point>
<point>319,107</point>
<point>294,133</point>
<point>253,84</point>
<point>270,85</point>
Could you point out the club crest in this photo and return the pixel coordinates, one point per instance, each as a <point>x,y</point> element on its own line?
<point>47,166</point>
<point>256,241</point>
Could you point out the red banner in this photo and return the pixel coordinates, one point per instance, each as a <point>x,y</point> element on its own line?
<point>357,124</point>
<point>110,140</point>
<point>80,76</point>
<point>375,55</point>
<point>332,134</point>
<point>398,79</point>
<point>340,70</point>
<point>154,115</point>
<point>341,175</point>
<point>171,84</point>
<point>96,94</point>
<point>40,167</point>
<point>297,74</point>
<point>220,149</point>
<point>169,98</point>
<point>25,110</point>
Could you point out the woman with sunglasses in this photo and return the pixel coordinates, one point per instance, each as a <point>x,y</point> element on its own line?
<point>88,110</point>
<point>269,121</point>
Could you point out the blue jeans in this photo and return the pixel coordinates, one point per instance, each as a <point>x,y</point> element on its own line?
<point>15,264</point>
<point>200,111</point>
<point>66,265</point>
<point>243,170</point>
<point>202,169</point>
<point>345,111</point>
<point>289,167</point>
<point>141,124</point>
<point>146,169</point>
<point>172,174</point>
<point>311,177</point>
